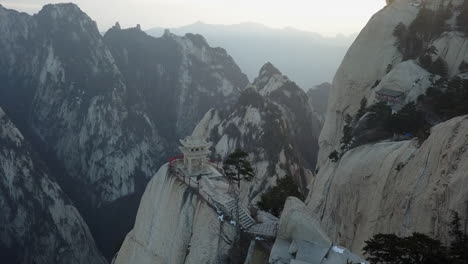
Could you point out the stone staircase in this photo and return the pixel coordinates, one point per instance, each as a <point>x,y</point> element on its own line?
<point>245,220</point>
<point>224,204</point>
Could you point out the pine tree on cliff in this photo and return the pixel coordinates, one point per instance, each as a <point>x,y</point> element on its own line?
<point>415,249</point>
<point>273,200</point>
<point>237,167</point>
<point>347,134</point>
<point>362,109</point>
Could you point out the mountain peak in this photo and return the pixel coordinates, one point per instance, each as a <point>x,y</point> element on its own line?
<point>269,79</point>
<point>68,12</point>
<point>197,39</point>
<point>61,9</point>
<point>199,22</point>
<point>167,33</point>
<point>268,70</point>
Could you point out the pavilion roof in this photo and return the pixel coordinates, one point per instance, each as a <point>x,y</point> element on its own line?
<point>192,142</point>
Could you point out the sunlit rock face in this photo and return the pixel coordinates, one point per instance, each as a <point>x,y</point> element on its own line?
<point>38,223</point>
<point>392,187</point>
<point>274,122</point>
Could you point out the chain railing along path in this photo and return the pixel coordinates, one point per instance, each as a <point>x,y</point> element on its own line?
<point>225,205</point>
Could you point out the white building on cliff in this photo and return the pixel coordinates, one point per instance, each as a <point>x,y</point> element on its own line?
<point>196,151</point>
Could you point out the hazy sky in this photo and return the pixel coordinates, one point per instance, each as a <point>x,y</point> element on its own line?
<point>328,17</point>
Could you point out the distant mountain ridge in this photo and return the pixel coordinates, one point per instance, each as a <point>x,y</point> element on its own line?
<point>306,57</point>
<point>318,99</point>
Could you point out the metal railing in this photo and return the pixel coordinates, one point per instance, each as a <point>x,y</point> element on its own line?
<point>210,200</point>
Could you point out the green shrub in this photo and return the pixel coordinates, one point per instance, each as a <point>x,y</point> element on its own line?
<point>347,138</point>
<point>408,120</point>
<point>382,114</point>
<point>362,109</point>
<point>447,98</point>
<point>439,66</point>
<point>418,248</point>
<point>334,156</point>
<point>273,200</point>
<point>381,124</point>
<point>427,25</point>
<point>415,249</point>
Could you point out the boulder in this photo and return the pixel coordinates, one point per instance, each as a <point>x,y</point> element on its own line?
<point>297,222</point>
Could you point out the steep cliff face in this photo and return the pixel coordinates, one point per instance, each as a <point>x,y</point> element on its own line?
<point>364,63</point>
<point>175,225</point>
<point>382,54</point>
<point>176,80</point>
<point>274,122</point>
<point>108,108</point>
<point>106,112</point>
<point>318,99</point>
<point>395,187</point>
<point>62,85</point>
<point>38,223</point>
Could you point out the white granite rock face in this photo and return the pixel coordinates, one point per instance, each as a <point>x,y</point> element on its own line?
<point>365,63</point>
<point>301,239</point>
<point>374,56</point>
<point>453,48</point>
<point>38,222</point>
<point>174,225</point>
<point>297,222</point>
<point>390,187</point>
<point>407,77</point>
<point>395,187</point>
<point>272,121</point>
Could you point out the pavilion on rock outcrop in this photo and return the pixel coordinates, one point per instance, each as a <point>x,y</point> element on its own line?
<point>196,151</point>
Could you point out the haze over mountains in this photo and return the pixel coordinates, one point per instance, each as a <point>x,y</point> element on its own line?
<point>90,123</point>
<point>307,58</point>
<point>87,119</point>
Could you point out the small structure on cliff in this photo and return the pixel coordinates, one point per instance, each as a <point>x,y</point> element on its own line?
<point>195,170</point>
<point>196,151</point>
<point>391,97</point>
